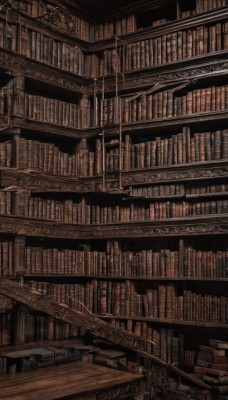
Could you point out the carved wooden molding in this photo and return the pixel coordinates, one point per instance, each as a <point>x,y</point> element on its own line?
<point>186,229</point>
<point>188,68</point>
<point>174,174</point>
<point>26,227</point>
<point>19,64</point>
<point>83,185</point>
<point>52,229</point>
<point>58,17</point>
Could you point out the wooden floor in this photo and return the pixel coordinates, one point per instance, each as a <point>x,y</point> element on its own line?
<point>70,381</point>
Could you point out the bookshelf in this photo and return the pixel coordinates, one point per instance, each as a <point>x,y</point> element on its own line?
<point>113,170</point>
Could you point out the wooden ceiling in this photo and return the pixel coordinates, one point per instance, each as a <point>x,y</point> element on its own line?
<point>100,8</point>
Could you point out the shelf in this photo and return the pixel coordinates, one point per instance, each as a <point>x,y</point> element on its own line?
<point>206,195</point>
<point>195,226</point>
<point>38,228</point>
<point>183,197</point>
<point>191,172</point>
<point>172,26</point>
<point>38,71</point>
<point>200,67</point>
<point>41,182</point>
<point>37,249</point>
<point>56,276</point>
<point>169,122</point>
<point>207,225</point>
<point>58,131</point>
<point>206,325</point>
<point>155,198</point>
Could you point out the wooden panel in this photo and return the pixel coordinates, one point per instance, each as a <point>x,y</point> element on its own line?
<point>82,381</point>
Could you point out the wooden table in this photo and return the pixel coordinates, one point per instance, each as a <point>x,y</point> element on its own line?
<point>74,381</point>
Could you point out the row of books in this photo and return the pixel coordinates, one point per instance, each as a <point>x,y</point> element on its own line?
<point>166,48</point>
<point>43,10</point>
<point>122,299</point>
<point>204,308</point>
<point>205,263</point>
<point>8,35</point>
<point>70,212</point>
<point>48,50</point>
<point>165,104</point>
<point>54,261</point>
<point>144,263</point>
<point>164,303</point>
<point>114,262</point>
<point>45,327</point>
<point>118,27</point>
<point>52,111</point>
<point>178,189</point>
<point>161,342</point>
<point>207,5</point>
<point>90,32</point>
<point>207,188</point>
<point>178,149</point>
<point>48,158</point>
<point>50,209</point>
<point>158,190</point>
<point>6,154</point>
<point>151,211</point>
<point>6,258</point>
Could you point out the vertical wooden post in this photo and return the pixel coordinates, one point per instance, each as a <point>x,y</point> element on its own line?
<point>95,102</point>
<point>19,96</point>
<point>19,257</point>
<point>181,258</point>
<point>103,134</point>
<point>86,111</point>
<point>17,157</point>
<point>18,332</point>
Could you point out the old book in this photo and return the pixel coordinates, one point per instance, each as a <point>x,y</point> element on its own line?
<point>208,353</point>
<point>218,344</point>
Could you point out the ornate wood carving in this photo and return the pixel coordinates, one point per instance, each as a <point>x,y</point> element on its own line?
<point>52,229</point>
<point>44,182</point>
<point>165,229</point>
<point>26,227</point>
<point>175,174</point>
<point>59,18</point>
<point>18,64</point>
<point>189,72</point>
<point>121,392</point>
<point>83,185</point>
<point>5,303</point>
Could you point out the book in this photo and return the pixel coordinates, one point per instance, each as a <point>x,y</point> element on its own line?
<point>218,344</point>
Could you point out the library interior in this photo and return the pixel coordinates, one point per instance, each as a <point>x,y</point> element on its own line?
<point>113,200</point>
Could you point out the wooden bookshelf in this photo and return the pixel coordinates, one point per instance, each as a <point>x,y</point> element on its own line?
<point>113,169</point>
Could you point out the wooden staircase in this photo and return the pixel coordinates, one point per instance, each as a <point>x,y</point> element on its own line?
<point>96,326</point>
<point>25,295</point>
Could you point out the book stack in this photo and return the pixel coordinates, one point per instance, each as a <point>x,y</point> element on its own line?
<point>212,362</point>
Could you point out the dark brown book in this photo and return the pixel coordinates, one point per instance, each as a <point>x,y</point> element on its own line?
<point>218,344</point>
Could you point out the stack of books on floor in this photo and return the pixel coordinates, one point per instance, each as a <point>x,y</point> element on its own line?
<point>212,363</point>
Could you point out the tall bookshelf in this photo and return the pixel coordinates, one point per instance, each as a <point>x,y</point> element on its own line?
<point>113,155</point>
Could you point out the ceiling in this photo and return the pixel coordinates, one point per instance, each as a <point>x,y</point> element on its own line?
<point>100,8</point>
